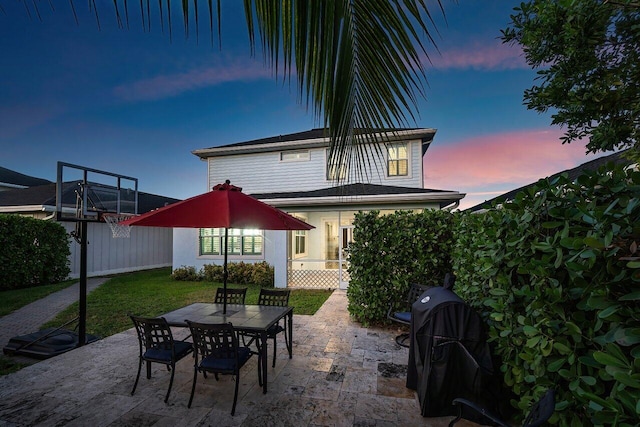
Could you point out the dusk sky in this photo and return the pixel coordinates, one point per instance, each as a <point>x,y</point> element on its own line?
<point>136,103</point>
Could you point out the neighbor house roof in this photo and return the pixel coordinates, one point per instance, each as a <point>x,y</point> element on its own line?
<point>362,194</point>
<point>43,198</point>
<point>310,139</point>
<point>12,179</point>
<point>617,158</point>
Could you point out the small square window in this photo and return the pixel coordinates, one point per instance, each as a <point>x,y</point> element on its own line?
<point>397,160</point>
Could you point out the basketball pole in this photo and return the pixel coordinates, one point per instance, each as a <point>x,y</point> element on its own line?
<point>82,300</point>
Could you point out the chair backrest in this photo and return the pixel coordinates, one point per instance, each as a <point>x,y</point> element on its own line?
<point>153,332</point>
<point>275,297</point>
<point>414,292</point>
<point>218,340</point>
<point>542,410</point>
<point>234,295</point>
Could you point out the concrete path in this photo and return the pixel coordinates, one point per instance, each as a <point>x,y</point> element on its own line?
<point>29,318</point>
<point>341,375</point>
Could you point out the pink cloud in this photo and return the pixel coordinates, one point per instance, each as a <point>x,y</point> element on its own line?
<point>168,85</point>
<point>496,56</point>
<point>486,166</point>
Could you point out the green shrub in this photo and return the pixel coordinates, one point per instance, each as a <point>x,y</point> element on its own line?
<point>555,274</point>
<point>187,274</point>
<point>32,252</point>
<point>263,275</point>
<point>213,273</point>
<point>391,252</point>
<point>241,273</point>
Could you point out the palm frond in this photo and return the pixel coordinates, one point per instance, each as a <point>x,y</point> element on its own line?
<point>357,63</point>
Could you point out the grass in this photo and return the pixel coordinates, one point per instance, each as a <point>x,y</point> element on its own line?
<point>14,299</point>
<point>153,292</point>
<point>145,293</point>
<point>8,365</point>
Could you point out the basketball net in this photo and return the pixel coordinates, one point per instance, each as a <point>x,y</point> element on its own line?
<point>118,230</point>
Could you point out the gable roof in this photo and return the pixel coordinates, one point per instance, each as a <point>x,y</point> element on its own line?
<point>13,179</point>
<point>43,197</point>
<point>573,174</point>
<point>313,138</point>
<point>360,194</point>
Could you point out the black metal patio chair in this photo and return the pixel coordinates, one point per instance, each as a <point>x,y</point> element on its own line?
<point>540,412</point>
<point>217,351</point>
<point>234,295</point>
<point>279,298</point>
<point>158,346</point>
<point>403,314</point>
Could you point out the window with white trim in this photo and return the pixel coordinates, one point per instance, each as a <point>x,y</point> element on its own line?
<point>299,243</point>
<point>397,160</point>
<point>241,241</point>
<point>295,156</point>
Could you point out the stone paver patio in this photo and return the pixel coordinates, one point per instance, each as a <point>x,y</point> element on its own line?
<point>341,374</point>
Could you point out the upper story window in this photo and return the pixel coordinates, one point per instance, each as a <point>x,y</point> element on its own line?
<point>397,160</point>
<point>336,170</point>
<point>294,156</point>
<point>241,241</point>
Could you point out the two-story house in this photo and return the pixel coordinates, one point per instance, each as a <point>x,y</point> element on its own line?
<point>292,172</point>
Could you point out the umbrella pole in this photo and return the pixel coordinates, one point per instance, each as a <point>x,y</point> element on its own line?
<point>225,272</point>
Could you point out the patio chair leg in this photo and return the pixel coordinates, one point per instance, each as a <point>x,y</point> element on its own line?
<point>275,348</point>
<point>135,384</point>
<point>148,370</point>
<point>173,371</point>
<point>287,337</point>
<point>193,386</point>
<point>235,394</point>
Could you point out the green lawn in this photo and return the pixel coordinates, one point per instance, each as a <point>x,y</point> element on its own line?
<point>145,293</point>
<point>153,292</point>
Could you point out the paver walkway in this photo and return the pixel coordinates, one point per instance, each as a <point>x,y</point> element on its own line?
<point>29,318</point>
<point>341,374</point>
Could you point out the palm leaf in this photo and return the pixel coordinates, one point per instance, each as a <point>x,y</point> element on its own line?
<point>358,63</point>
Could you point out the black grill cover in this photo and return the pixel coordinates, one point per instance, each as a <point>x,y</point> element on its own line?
<point>448,354</point>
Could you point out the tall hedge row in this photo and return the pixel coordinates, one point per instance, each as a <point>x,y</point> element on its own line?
<point>32,252</point>
<point>556,275</point>
<point>391,252</point>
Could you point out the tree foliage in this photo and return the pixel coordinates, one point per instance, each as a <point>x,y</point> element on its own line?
<point>587,53</point>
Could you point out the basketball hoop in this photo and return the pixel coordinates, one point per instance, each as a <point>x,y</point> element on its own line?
<point>118,230</point>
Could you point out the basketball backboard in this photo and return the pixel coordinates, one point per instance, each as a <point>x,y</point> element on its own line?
<point>85,194</point>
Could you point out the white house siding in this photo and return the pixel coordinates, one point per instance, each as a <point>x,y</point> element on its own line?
<point>265,173</point>
<point>146,248</point>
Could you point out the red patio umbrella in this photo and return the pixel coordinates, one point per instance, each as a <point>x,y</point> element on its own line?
<point>226,206</point>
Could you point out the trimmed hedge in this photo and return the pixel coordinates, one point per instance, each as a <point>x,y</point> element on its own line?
<point>32,252</point>
<point>391,252</point>
<point>555,273</point>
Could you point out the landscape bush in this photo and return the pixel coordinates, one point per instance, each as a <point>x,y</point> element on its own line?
<point>391,252</point>
<point>32,252</point>
<point>555,273</point>
<point>241,273</point>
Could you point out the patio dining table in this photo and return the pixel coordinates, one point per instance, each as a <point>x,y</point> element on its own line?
<point>256,319</point>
